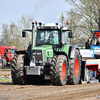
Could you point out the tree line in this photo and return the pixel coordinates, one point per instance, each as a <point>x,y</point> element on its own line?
<point>84,16</point>
<point>12,33</point>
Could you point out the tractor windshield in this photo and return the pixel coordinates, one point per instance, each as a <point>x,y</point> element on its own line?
<point>47,37</point>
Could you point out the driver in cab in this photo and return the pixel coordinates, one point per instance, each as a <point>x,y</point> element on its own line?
<point>52,39</point>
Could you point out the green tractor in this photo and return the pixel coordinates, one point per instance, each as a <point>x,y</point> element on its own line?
<point>51,57</point>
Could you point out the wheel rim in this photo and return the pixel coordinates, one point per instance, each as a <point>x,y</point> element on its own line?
<point>76,67</point>
<point>63,70</point>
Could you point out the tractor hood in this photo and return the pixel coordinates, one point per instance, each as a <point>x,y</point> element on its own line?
<point>47,51</point>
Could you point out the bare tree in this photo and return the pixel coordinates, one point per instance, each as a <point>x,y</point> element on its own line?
<point>4,35</point>
<point>88,15</point>
<point>25,22</point>
<point>12,34</point>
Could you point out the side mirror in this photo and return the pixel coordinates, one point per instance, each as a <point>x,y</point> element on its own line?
<point>70,35</point>
<point>23,34</point>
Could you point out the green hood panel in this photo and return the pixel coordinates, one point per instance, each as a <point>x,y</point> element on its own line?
<point>47,51</point>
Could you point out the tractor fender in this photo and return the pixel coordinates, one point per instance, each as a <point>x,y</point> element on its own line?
<point>72,49</point>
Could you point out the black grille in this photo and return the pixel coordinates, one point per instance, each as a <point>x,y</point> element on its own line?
<point>37,57</point>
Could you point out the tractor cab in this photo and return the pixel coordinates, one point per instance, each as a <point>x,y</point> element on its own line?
<point>51,34</point>
<point>50,37</point>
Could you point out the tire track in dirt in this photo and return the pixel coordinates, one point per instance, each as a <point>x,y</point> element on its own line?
<point>50,92</point>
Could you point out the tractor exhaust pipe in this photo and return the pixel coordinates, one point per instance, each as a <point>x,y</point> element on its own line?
<point>33,35</point>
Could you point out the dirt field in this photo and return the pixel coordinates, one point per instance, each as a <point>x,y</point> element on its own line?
<point>49,92</point>
<point>2,73</point>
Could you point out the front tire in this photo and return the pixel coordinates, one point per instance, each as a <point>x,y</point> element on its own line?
<point>58,70</point>
<point>17,69</point>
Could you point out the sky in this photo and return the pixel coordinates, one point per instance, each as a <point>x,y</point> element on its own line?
<point>45,11</point>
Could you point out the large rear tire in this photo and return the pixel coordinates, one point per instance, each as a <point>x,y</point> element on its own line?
<point>75,69</point>
<point>58,70</point>
<point>17,69</point>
